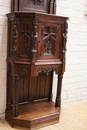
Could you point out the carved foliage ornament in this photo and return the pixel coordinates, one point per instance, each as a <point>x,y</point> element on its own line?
<point>14,37</point>
<point>49,39</point>
<point>34,35</point>
<point>35,2</point>
<point>24,38</point>
<point>65,40</point>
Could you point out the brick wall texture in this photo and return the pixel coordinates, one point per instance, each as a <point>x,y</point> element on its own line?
<point>75,78</point>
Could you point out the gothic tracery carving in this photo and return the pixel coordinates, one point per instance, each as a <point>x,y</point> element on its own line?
<point>49,39</point>
<point>47,70</point>
<point>23,70</point>
<point>24,37</point>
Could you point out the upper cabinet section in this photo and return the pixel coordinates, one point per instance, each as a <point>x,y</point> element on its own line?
<point>43,6</point>
<point>37,38</point>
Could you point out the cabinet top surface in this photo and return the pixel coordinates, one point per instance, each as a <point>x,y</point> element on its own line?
<point>33,14</point>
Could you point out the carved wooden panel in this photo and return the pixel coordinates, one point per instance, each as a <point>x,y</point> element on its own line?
<point>33,89</point>
<point>50,41</point>
<point>25,28</point>
<point>23,72</point>
<point>40,87</point>
<point>24,90</point>
<point>25,39</point>
<point>46,6</point>
<point>34,5</point>
<point>48,69</point>
<point>13,38</point>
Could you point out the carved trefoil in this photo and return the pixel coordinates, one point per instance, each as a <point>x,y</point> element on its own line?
<point>49,40</point>
<point>25,38</point>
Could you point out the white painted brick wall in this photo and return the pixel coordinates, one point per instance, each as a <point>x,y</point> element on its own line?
<point>4,9</point>
<point>75,78</point>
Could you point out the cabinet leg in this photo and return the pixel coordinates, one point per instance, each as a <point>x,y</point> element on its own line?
<point>59,86</point>
<point>15,96</point>
<point>51,94</point>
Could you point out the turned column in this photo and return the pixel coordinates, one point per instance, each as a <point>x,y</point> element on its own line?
<point>59,86</point>
<point>51,6</point>
<point>54,7</point>
<point>14,5</point>
<point>51,94</point>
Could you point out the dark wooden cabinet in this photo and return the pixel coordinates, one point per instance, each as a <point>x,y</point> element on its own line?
<point>36,48</point>
<point>42,6</point>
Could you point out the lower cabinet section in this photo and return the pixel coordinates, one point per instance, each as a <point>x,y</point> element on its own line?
<point>29,89</point>
<point>33,116</point>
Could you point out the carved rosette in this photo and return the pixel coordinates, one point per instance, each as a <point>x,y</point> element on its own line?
<point>65,40</point>
<point>34,35</point>
<point>14,37</point>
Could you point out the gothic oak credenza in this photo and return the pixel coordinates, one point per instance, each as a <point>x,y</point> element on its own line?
<point>36,48</point>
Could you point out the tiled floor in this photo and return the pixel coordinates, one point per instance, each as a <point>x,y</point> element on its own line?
<point>73,117</point>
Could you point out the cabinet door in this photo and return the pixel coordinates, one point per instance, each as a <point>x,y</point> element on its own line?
<point>25,29</point>
<point>50,41</point>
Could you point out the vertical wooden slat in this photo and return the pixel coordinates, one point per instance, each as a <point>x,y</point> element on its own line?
<point>38,85</point>
<point>25,89</point>
<point>43,86</point>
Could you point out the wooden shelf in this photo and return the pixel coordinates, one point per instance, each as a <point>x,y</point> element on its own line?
<point>34,115</point>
